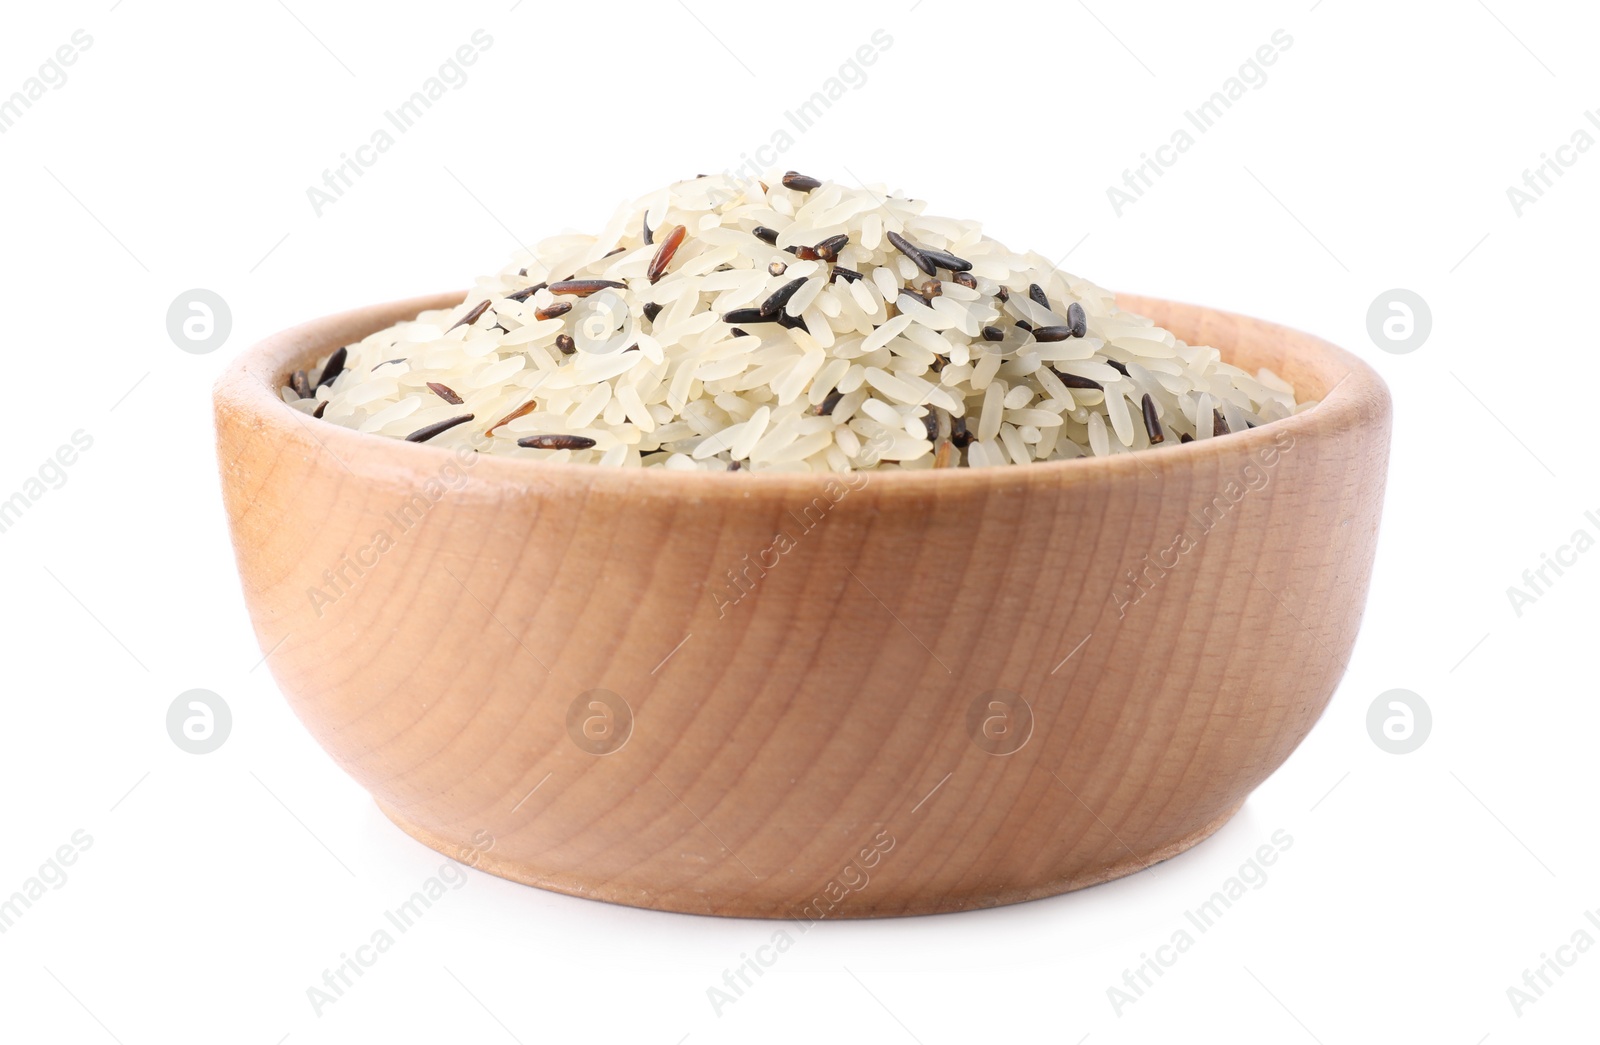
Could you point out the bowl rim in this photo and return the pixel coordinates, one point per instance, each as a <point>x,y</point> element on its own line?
<point>249,386</point>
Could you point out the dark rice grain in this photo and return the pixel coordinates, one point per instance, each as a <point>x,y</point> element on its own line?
<point>422,435</point>
<point>582,288</point>
<point>1077,320</point>
<point>445,392</point>
<point>829,248</point>
<point>1074,381</point>
<point>945,260</point>
<point>556,442</point>
<point>334,367</point>
<point>1152,423</point>
<point>472,317</point>
<point>741,316</point>
<point>780,297</point>
<point>669,247</point>
<point>522,411</point>
<point>912,251</point>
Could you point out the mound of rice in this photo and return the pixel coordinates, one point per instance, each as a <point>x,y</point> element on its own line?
<point>786,325</point>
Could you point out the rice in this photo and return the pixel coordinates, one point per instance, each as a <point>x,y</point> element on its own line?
<point>786,325</point>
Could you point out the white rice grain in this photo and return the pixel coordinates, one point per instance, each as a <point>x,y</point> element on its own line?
<point>843,376</point>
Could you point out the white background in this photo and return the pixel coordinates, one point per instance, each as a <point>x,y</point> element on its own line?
<point>1377,155</point>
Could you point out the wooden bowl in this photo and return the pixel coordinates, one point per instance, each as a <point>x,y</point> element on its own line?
<point>791,696</point>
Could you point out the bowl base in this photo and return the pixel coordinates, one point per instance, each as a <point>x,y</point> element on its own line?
<point>862,906</point>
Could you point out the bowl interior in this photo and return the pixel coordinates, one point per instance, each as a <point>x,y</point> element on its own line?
<point>1349,395</point>
<point>1313,366</point>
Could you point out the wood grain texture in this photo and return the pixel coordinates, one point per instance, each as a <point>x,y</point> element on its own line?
<point>807,749</point>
